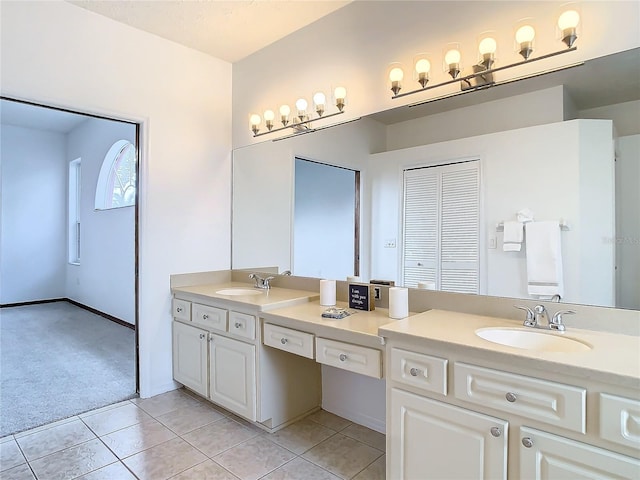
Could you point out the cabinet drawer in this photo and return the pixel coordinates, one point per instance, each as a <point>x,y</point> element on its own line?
<point>418,370</point>
<point>548,402</point>
<point>209,317</point>
<point>366,361</point>
<point>242,324</point>
<point>620,420</point>
<point>181,309</point>
<point>289,340</point>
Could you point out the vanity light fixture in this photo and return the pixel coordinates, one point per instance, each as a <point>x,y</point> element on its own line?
<point>483,70</point>
<point>301,122</point>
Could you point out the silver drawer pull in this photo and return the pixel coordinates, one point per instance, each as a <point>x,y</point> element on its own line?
<point>511,397</point>
<point>414,372</point>
<point>238,325</point>
<point>283,340</point>
<point>179,309</point>
<point>202,336</point>
<point>342,357</point>
<point>527,442</point>
<point>205,316</point>
<point>495,431</point>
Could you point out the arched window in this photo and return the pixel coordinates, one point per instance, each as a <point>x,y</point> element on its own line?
<point>117,181</point>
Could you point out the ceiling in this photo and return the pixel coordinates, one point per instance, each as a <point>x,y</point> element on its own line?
<point>228,30</point>
<point>19,114</point>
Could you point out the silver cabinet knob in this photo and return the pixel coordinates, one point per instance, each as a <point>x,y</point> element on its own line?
<point>342,357</point>
<point>237,324</point>
<point>496,431</point>
<point>179,309</point>
<point>205,316</point>
<point>414,372</point>
<point>527,442</point>
<point>283,340</point>
<point>511,397</point>
<point>202,335</point>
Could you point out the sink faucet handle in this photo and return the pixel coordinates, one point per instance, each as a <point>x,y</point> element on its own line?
<point>530,321</point>
<point>556,321</point>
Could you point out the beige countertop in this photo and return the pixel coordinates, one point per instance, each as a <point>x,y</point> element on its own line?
<point>274,297</point>
<point>360,328</point>
<point>613,358</point>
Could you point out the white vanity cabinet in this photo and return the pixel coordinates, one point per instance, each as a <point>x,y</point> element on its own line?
<point>457,414</point>
<point>544,456</point>
<point>431,439</point>
<point>218,354</point>
<point>190,357</point>
<point>232,375</point>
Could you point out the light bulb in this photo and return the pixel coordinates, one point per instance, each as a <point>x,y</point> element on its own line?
<point>567,22</point>
<point>526,33</point>
<point>319,100</point>
<point>285,110</point>
<point>568,19</point>
<point>340,93</point>
<point>301,106</point>
<point>268,116</point>
<point>524,38</point>
<point>452,60</point>
<point>423,65</point>
<point>487,45</point>
<point>395,76</point>
<point>422,69</point>
<point>254,121</point>
<point>487,48</point>
<point>452,56</point>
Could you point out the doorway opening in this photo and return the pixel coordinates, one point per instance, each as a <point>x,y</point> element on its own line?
<point>69,270</point>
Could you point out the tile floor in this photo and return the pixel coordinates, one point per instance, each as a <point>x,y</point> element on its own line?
<point>180,436</point>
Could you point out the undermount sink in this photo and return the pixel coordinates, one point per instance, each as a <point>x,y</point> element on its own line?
<point>239,291</point>
<point>532,339</point>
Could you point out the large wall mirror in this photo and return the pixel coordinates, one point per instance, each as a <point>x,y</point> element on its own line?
<point>545,144</point>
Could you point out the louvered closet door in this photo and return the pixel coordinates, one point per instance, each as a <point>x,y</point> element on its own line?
<point>442,226</point>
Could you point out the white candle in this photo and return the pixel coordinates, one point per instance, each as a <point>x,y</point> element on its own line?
<point>327,292</point>
<point>398,302</point>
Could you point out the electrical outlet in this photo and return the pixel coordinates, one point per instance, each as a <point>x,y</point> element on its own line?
<point>390,243</point>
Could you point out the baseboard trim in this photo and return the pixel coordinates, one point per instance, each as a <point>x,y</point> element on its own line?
<point>73,302</point>
<point>31,302</point>
<point>102,314</point>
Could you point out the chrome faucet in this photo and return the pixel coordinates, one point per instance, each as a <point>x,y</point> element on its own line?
<point>261,282</point>
<point>538,317</point>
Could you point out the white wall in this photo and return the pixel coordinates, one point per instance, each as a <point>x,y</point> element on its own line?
<point>105,278</point>
<point>536,168</point>
<point>627,238</point>
<point>34,211</point>
<point>56,53</point>
<point>355,45</point>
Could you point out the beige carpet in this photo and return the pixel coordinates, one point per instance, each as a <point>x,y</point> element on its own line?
<point>58,360</point>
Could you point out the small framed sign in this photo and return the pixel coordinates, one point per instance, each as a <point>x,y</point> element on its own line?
<point>361,296</point>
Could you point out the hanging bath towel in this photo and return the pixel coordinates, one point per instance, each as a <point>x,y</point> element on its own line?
<point>544,259</point>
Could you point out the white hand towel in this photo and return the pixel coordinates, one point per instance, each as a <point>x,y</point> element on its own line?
<point>513,236</point>
<point>544,258</point>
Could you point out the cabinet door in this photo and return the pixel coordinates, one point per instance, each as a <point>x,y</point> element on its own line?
<point>430,439</point>
<point>547,456</point>
<point>190,357</point>
<point>233,375</point>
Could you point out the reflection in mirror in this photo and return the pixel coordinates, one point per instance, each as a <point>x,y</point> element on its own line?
<point>546,146</point>
<point>324,220</point>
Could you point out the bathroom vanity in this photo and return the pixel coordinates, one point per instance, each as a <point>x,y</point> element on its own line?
<point>457,404</point>
<point>555,413</point>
